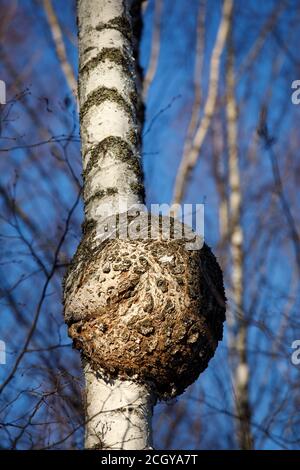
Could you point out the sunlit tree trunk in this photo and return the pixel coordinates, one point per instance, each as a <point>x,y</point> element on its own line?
<point>118,412</point>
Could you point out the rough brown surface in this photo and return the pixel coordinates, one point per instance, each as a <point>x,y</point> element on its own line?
<point>149,310</point>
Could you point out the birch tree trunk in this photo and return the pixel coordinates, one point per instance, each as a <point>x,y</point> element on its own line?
<point>118,412</point>
<point>146,311</point>
<point>237,321</point>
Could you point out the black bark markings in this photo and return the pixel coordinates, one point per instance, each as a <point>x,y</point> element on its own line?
<point>123,152</point>
<point>120,23</point>
<point>121,149</point>
<point>113,54</point>
<point>102,94</point>
<point>101,193</point>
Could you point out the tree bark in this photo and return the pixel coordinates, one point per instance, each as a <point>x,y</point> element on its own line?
<point>238,322</point>
<point>118,412</point>
<point>110,129</point>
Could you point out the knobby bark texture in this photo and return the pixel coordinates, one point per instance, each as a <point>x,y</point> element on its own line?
<point>146,312</point>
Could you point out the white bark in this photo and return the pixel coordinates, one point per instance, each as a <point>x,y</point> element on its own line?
<point>118,413</point>
<point>237,320</point>
<point>168,342</point>
<point>107,91</point>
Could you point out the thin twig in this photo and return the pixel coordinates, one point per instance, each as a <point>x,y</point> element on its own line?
<point>189,161</point>
<point>60,46</point>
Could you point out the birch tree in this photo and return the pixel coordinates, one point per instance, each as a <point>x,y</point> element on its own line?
<point>238,334</point>
<point>146,312</point>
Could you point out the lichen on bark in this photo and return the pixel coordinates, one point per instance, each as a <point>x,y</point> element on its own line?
<point>102,94</point>
<point>120,23</point>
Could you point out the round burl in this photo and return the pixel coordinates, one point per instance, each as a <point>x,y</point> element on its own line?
<point>147,309</point>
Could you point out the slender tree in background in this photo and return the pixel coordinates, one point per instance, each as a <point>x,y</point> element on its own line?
<point>147,313</point>
<point>190,157</point>
<point>238,326</point>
